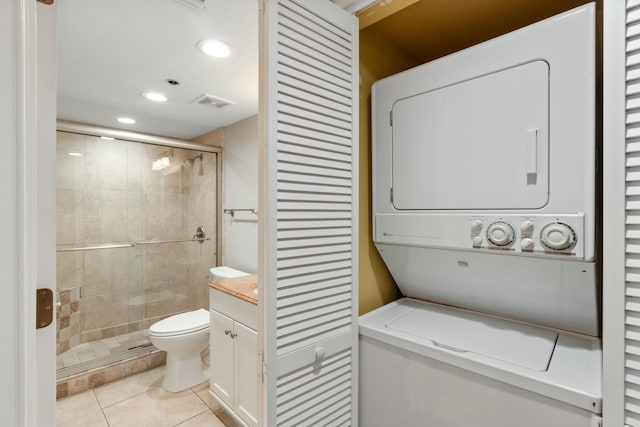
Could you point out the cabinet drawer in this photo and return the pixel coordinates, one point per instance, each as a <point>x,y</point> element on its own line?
<point>234,307</point>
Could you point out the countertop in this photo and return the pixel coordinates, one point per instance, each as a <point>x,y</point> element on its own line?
<point>241,287</point>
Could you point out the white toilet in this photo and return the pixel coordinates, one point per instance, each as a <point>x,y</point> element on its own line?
<point>223,272</point>
<point>183,336</point>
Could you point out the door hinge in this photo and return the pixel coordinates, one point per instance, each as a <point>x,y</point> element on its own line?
<point>391,118</point>
<point>44,307</point>
<point>263,367</point>
<point>46,1</point>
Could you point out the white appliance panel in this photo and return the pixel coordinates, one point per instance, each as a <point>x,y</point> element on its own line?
<point>432,393</point>
<point>550,292</point>
<point>477,144</point>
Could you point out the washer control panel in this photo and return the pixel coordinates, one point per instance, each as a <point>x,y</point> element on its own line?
<point>549,235</point>
<point>528,235</point>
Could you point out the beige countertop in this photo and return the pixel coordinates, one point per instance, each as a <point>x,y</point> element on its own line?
<point>242,287</point>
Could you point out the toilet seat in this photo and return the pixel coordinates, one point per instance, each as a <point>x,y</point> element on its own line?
<point>180,324</point>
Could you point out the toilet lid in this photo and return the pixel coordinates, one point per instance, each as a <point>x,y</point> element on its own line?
<point>182,323</point>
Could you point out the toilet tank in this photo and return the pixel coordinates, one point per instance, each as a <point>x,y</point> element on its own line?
<point>223,272</point>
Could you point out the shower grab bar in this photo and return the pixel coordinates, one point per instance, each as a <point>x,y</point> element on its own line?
<point>151,242</point>
<point>127,245</point>
<point>94,248</point>
<point>232,212</point>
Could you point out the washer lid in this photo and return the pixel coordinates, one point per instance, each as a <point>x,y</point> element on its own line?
<point>182,323</point>
<point>463,331</point>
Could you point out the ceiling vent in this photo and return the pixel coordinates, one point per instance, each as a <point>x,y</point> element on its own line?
<point>212,101</point>
<point>193,4</point>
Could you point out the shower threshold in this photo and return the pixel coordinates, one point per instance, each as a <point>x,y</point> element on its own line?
<point>100,353</point>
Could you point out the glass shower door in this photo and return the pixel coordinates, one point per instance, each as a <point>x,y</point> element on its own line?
<point>127,257</point>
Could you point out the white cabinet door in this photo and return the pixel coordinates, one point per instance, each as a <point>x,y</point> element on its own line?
<point>246,373</point>
<point>221,356</point>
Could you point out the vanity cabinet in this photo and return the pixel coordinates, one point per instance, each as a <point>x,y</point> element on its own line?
<point>234,368</point>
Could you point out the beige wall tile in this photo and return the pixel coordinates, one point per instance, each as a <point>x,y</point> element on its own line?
<point>70,168</point>
<point>165,216</point>
<point>105,164</point>
<point>69,211</point>
<point>112,216</point>
<point>106,272</point>
<point>135,164</point>
<point>103,311</point>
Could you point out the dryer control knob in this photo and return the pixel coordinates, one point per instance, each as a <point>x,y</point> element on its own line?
<point>558,236</point>
<point>527,244</point>
<point>476,227</point>
<point>500,233</point>
<point>526,228</point>
<point>477,241</point>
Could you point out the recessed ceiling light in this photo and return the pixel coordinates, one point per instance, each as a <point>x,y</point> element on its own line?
<point>108,138</point>
<point>76,154</point>
<point>214,48</point>
<point>126,120</point>
<point>154,96</point>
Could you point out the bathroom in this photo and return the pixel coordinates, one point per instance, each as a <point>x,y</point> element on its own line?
<point>376,287</point>
<point>141,218</point>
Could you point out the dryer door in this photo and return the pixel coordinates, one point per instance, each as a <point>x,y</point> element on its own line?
<point>478,144</point>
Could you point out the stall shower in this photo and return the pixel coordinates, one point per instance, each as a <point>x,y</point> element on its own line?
<point>136,233</point>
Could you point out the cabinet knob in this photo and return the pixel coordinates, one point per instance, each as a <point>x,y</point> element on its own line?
<point>234,335</point>
<point>227,331</point>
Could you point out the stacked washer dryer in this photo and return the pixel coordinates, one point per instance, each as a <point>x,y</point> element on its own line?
<point>484,204</point>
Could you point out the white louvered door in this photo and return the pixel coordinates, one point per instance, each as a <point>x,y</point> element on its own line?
<point>621,213</point>
<point>632,232</point>
<point>309,211</point>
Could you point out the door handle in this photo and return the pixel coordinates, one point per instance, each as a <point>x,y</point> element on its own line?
<point>532,152</point>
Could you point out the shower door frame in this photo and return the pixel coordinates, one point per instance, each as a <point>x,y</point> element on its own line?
<point>124,135</point>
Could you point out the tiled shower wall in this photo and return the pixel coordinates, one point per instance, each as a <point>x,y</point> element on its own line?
<point>108,194</point>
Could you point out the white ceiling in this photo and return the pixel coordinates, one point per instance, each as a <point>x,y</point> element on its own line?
<point>109,51</point>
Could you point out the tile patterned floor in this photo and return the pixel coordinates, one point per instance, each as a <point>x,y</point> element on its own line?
<point>140,401</point>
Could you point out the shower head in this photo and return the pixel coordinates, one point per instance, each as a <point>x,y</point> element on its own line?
<point>190,162</point>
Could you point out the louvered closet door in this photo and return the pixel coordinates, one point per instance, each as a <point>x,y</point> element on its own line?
<point>632,264</point>
<point>309,208</point>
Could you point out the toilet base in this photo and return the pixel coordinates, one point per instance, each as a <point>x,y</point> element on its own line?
<point>183,372</point>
